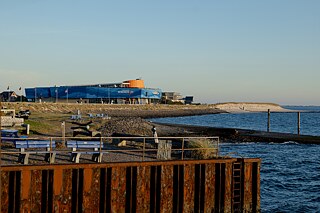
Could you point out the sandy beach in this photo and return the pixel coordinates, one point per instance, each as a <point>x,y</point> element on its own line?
<point>243,107</point>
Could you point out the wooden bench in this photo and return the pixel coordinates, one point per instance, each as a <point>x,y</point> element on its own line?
<point>93,145</point>
<point>35,144</point>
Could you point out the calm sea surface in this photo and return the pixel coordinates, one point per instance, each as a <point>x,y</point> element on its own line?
<point>290,172</point>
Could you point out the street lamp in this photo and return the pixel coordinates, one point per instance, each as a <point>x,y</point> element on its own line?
<point>56,91</point>
<point>99,94</point>
<point>67,92</point>
<point>35,94</point>
<point>109,94</point>
<point>20,94</point>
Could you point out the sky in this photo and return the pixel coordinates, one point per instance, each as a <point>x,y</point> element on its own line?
<point>216,51</point>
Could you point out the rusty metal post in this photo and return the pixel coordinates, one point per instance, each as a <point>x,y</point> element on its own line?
<point>268,128</point>
<point>228,187</point>
<point>298,123</point>
<point>247,186</point>
<point>166,187</point>
<point>210,176</point>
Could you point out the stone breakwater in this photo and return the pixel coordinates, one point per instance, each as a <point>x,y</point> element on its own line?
<point>123,125</point>
<point>118,110</point>
<point>146,111</point>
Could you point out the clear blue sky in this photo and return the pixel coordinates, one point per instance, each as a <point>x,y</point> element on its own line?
<point>217,51</point>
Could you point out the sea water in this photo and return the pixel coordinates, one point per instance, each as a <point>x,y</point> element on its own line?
<point>290,172</point>
<point>286,122</point>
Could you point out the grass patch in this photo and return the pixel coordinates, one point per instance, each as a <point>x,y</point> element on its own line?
<point>40,127</point>
<point>204,149</point>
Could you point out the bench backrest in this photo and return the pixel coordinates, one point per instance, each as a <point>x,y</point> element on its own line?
<point>9,133</point>
<point>34,144</point>
<point>84,144</point>
<point>75,117</point>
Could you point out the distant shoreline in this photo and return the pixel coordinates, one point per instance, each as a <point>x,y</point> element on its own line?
<point>243,107</point>
<point>146,111</point>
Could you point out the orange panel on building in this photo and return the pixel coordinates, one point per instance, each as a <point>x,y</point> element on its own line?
<point>135,83</point>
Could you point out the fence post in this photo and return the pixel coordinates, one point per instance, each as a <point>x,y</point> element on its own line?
<point>218,146</point>
<point>100,150</point>
<point>298,123</point>
<point>268,128</point>
<point>63,132</point>
<point>50,152</point>
<point>182,151</point>
<point>144,148</point>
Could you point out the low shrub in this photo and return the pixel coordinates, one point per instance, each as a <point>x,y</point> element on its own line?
<point>203,149</point>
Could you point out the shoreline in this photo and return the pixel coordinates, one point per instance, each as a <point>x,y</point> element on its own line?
<point>236,135</point>
<point>46,119</point>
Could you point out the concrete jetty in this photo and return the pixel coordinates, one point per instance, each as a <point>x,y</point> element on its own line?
<point>245,135</point>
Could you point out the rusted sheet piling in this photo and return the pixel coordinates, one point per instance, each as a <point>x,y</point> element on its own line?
<point>170,186</point>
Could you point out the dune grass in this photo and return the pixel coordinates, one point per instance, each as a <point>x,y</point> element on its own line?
<point>203,149</point>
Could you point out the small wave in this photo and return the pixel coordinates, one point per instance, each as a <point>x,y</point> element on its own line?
<point>286,142</point>
<point>316,200</point>
<point>290,142</point>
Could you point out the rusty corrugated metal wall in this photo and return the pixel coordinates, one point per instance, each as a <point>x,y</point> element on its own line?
<point>222,185</point>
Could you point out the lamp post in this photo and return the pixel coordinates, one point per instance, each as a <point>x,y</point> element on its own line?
<point>109,94</point>
<point>20,94</point>
<point>67,91</point>
<point>35,94</point>
<point>56,91</point>
<point>99,93</point>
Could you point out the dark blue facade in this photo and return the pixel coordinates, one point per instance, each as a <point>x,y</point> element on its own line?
<point>89,92</point>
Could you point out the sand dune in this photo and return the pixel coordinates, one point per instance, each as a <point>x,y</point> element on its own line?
<point>238,107</point>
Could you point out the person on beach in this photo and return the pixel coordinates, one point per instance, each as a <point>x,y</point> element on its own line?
<point>154,134</point>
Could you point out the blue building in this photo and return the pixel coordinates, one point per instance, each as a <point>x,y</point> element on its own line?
<point>127,92</point>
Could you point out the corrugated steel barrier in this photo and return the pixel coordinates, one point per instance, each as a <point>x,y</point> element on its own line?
<point>219,185</point>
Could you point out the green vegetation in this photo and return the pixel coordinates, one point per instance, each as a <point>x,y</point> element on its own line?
<point>40,127</point>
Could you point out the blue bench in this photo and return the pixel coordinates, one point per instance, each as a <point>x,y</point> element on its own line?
<point>75,117</point>
<point>9,135</point>
<point>35,144</point>
<point>93,145</point>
